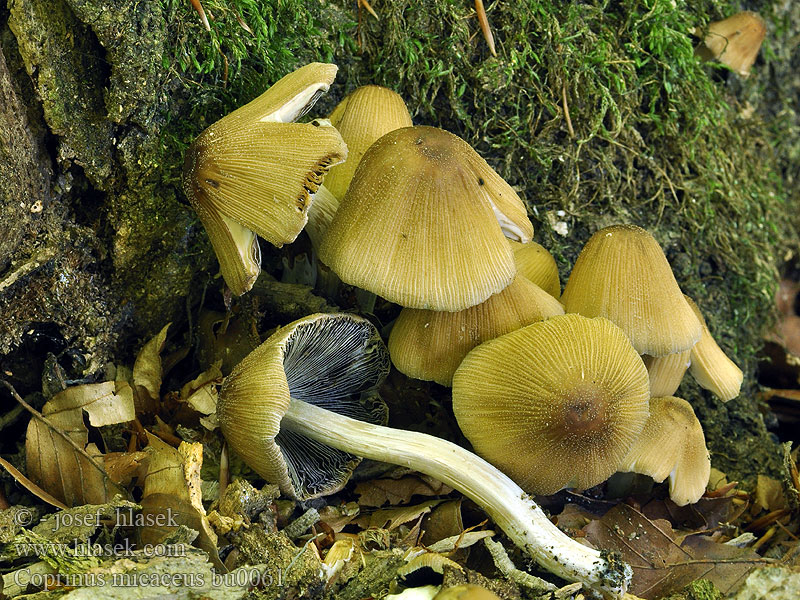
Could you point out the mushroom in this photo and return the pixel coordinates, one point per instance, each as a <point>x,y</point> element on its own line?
<point>294,392</point>
<point>666,372</point>
<point>424,221</point>
<point>623,275</point>
<point>429,345</point>
<point>253,171</point>
<point>467,591</point>
<point>363,117</point>
<point>534,262</point>
<point>555,404</point>
<point>672,445</point>
<point>734,41</point>
<point>710,366</point>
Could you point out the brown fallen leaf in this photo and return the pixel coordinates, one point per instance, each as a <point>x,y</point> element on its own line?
<point>171,496</point>
<point>378,492</point>
<point>147,374</point>
<point>664,560</point>
<point>201,392</point>
<point>391,518</point>
<point>57,442</point>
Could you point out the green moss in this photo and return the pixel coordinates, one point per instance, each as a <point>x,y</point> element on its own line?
<point>654,136</point>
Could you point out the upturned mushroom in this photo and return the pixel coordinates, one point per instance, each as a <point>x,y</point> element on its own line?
<point>363,117</point>
<point>294,391</point>
<point>424,223</point>
<point>253,171</point>
<point>672,445</point>
<point>429,344</point>
<point>555,404</point>
<point>710,366</point>
<point>622,274</point>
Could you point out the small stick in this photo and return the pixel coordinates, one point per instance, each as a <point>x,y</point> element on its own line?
<point>199,8</point>
<point>370,10</point>
<point>507,568</point>
<point>566,110</point>
<point>484,22</point>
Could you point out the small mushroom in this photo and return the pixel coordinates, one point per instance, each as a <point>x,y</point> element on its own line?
<point>710,366</point>
<point>294,392</point>
<point>253,171</point>
<point>423,222</point>
<point>467,591</point>
<point>555,404</point>
<point>363,117</point>
<point>666,372</point>
<point>734,41</point>
<point>534,262</point>
<point>429,345</point>
<point>672,445</point>
<point>622,274</point>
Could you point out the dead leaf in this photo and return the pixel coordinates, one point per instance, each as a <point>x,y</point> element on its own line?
<point>769,494</point>
<point>444,521</point>
<point>378,492</point>
<point>390,518</point>
<point>147,373</point>
<point>64,467</point>
<point>171,496</point>
<point>705,514</point>
<point>201,392</point>
<point>664,560</point>
<point>122,467</point>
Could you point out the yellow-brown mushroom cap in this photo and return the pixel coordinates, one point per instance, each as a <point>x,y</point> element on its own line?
<point>557,403</point>
<point>734,41</point>
<point>672,445</point>
<point>534,262</point>
<point>422,223</point>
<point>429,345</point>
<point>666,372</point>
<point>622,274</point>
<point>710,366</point>
<point>467,591</point>
<point>363,117</point>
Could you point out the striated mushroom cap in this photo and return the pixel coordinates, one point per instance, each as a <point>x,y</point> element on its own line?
<point>423,222</point>
<point>323,359</point>
<point>557,403</point>
<point>255,170</point>
<point>666,372</point>
<point>623,275</point>
<point>363,117</point>
<point>734,41</point>
<point>429,345</point>
<point>534,262</point>
<point>672,445</point>
<point>710,366</point>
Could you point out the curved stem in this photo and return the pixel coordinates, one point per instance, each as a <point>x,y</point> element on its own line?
<point>502,499</point>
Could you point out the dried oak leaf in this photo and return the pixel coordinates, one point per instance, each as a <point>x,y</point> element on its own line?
<point>664,560</point>
<point>74,472</point>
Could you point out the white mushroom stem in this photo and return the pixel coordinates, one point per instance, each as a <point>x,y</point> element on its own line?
<point>502,499</point>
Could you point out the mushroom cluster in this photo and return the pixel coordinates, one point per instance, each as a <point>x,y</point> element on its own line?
<point>416,216</point>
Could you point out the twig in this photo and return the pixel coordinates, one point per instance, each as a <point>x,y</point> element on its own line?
<point>484,23</point>
<point>367,6</point>
<point>507,568</point>
<point>30,486</point>
<point>199,8</point>
<point>566,110</point>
